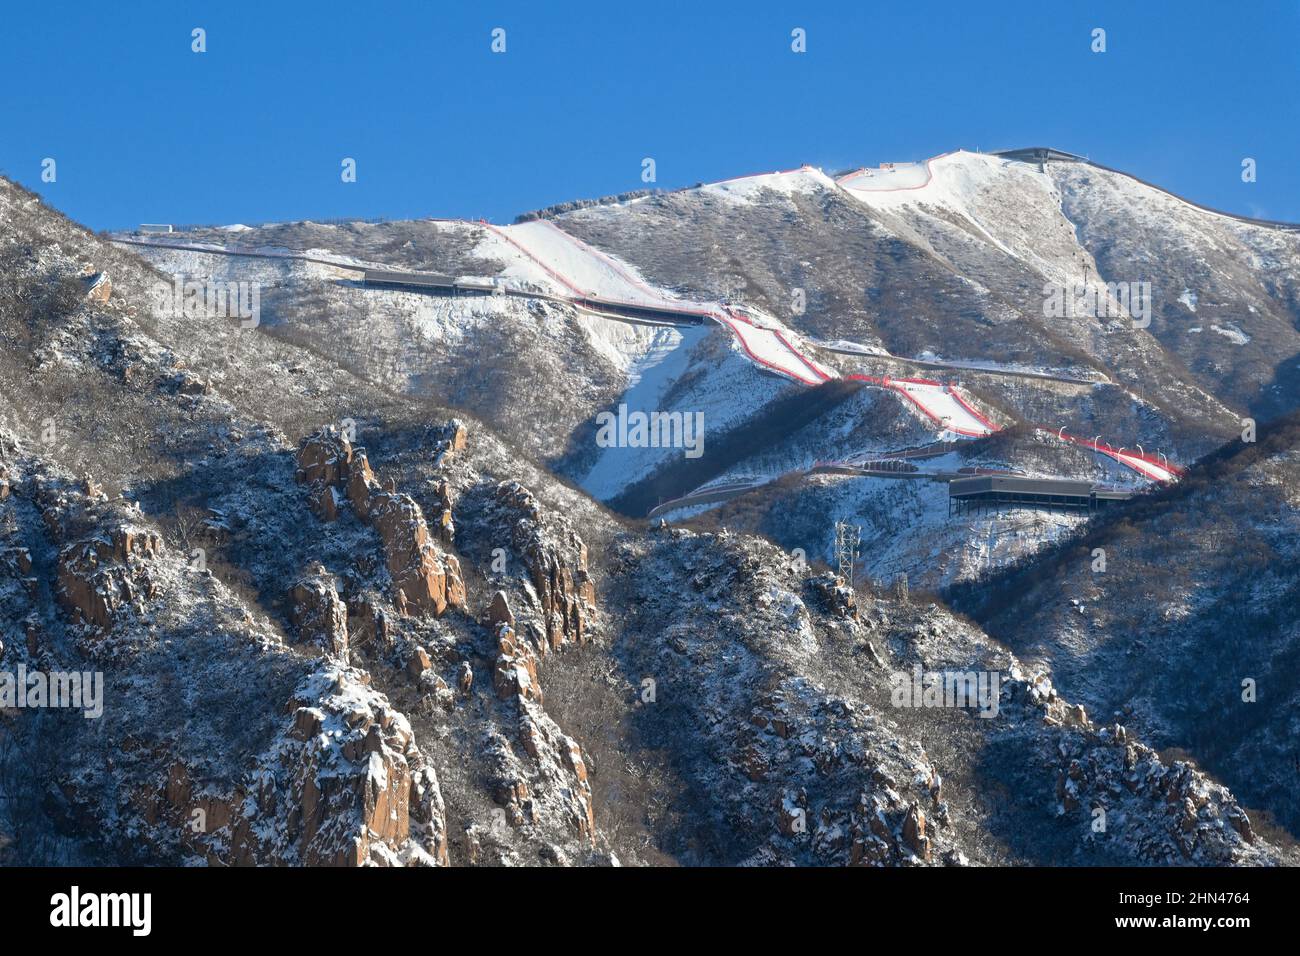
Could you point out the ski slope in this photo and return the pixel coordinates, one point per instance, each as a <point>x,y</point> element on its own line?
<point>1153,471</point>
<point>544,251</point>
<point>597,278</point>
<point>888,178</point>
<point>942,403</point>
<point>1152,466</point>
<point>539,254</point>
<point>582,270</point>
<point>773,349</point>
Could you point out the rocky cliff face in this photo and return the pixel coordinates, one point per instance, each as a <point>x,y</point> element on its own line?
<point>425,579</point>
<point>554,558</point>
<point>320,614</point>
<point>345,785</point>
<point>340,781</point>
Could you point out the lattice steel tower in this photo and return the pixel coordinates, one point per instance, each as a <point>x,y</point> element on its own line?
<point>847,537</point>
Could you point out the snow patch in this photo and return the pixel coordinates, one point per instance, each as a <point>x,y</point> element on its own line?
<point>1232,333</point>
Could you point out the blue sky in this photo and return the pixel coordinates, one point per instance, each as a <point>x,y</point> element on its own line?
<point>145,130</point>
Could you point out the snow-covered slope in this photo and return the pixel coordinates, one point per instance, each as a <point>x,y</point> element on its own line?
<point>1002,225</point>
<point>354,670</point>
<point>576,267</point>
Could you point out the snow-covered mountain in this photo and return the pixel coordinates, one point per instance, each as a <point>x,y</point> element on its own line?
<point>382,571</point>
<point>945,271</point>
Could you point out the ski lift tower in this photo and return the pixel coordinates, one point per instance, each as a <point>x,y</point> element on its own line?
<point>847,538</point>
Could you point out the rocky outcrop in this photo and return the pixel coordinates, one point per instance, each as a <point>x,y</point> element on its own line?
<point>106,567</point>
<point>885,831</point>
<point>99,287</point>
<point>556,768</point>
<point>834,595</point>
<point>515,673</point>
<point>95,591</point>
<point>548,781</point>
<point>914,837</point>
<point>453,440</point>
<point>555,559</point>
<point>559,786</point>
<point>108,563</point>
<point>551,785</point>
<point>324,458</point>
<point>499,613</point>
<point>345,785</point>
<point>426,580</point>
<point>1172,814</point>
<point>445,524</point>
<point>323,465</point>
<point>319,614</point>
<point>361,485</point>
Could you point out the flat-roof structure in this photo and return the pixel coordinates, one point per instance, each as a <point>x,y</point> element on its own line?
<point>1040,154</point>
<point>429,281</point>
<point>998,492</point>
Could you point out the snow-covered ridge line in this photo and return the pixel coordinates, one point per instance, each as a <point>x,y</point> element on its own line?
<point>588,278</point>
<point>764,346</point>
<point>256,252</point>
<point>769,347</point>
<point>1249,220</point>
<point>857,181</point>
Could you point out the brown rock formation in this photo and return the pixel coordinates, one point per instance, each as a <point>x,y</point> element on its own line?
<point>914,837</point>
<point>515,674</point>
<point>455,439</point>
<point>498,613</point>
<point>319,613</point>
<point>346,786</point>
<point>836,596</point>
<point>325,458</point>
<point>99,287</point>
<point>556,560</point>
<point>557,765</point>
<point>362,484</point>
<point>426,579</point>
<point>419,662</point>
<point>100,575</point>
<point>445,525</point>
